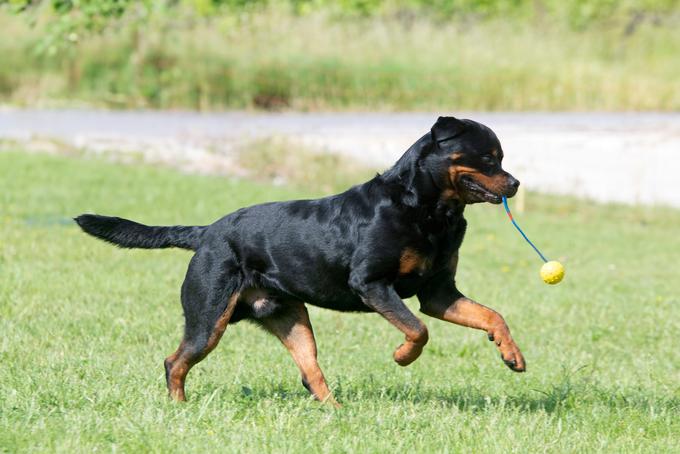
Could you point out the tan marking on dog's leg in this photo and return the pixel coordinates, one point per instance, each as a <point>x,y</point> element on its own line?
<point>466,312</point>
<point>411,349</point>
<point>178,365</point>
<point>294,330</point>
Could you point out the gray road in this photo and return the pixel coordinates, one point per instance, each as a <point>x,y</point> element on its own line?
<point>631,158</point>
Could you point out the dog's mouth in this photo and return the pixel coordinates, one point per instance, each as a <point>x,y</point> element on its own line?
<point>476,192</point>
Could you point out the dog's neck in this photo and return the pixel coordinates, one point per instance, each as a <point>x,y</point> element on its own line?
<point>413,187</point>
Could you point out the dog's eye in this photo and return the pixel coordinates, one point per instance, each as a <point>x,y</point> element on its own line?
<point>488,159</point>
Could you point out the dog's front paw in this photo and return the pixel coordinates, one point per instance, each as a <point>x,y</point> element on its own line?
<point>515,361</point>
<point>510,353</point>
<point>407,352</point>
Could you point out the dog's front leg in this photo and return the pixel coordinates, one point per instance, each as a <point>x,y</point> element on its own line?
<point>382,298</point>
<point>442,300</point>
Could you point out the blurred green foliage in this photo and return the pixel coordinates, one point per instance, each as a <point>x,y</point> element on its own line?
<point>346,54</point>
<point>578,13</point>
<point>70,19</point>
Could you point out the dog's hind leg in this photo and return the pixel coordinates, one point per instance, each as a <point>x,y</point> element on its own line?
<point>292,326</point>
<point>209,297</point>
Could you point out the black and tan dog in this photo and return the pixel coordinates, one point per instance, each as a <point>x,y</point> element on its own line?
<point>364,250</point>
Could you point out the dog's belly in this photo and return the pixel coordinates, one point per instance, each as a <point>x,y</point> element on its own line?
<point>344,303</point>
<point>328,290</point>
<point>328,294</point>
<point>262,303</point>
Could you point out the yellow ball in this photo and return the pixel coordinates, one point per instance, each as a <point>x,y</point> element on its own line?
<point>552,272</point>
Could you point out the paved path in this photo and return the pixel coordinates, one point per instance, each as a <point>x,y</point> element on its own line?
<point>632,158</point>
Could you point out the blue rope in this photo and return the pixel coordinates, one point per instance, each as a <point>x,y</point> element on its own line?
<point>507,210</point>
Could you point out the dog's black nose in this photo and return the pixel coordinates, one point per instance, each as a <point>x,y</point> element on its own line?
<point>512,185</point>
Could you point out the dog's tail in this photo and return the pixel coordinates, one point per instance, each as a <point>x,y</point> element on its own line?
<point>129,234</point>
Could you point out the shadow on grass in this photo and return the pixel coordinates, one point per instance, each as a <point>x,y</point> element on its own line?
<point>564,395</point>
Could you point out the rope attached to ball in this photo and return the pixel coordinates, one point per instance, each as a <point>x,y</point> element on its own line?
<point>552,272</point>
<point>507,210</point>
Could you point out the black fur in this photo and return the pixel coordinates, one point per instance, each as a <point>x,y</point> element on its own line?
<point>129,234</point>
<point>364,250</point>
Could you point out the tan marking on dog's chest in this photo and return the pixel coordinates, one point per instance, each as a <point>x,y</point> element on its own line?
<point>412,261</point>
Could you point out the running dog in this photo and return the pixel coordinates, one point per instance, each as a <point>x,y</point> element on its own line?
<point>363,250</point>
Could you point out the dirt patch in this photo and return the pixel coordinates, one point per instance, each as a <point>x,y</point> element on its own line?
<point>277,160</point>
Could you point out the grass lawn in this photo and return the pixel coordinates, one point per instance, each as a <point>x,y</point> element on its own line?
<point>84,329</point>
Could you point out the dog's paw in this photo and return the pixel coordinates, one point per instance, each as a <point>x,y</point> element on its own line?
<point>407,352</point>
<point>510,353</point>
<point>514,360</point>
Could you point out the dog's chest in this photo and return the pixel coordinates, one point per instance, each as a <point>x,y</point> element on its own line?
<point>421,261</point>
<point>427,255</point>
<point>410,281</point>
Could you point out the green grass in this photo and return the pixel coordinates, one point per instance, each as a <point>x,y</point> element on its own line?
<point>276,60</point>
<point>84,328</point>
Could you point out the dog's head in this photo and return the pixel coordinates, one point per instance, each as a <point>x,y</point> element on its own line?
<point>465,161</point>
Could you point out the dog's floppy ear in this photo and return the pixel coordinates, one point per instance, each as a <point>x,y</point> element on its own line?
<point>446,128</point>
